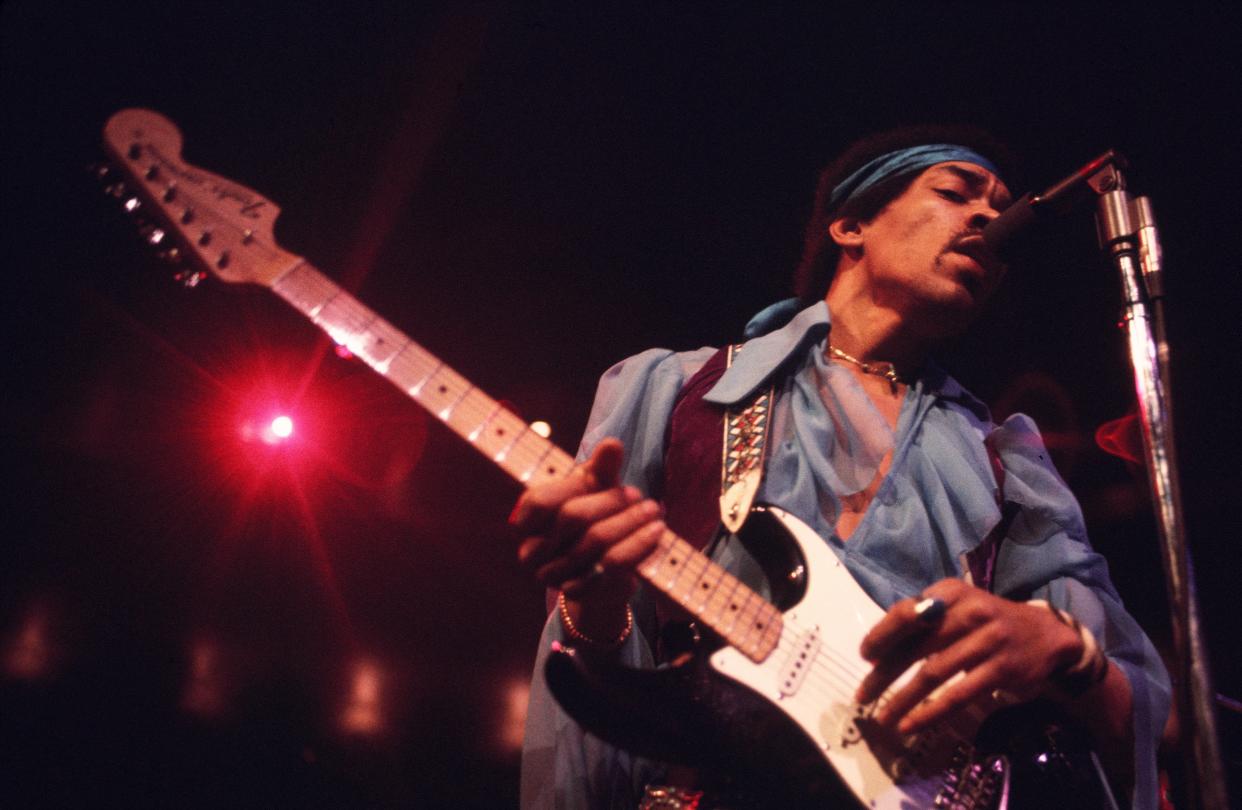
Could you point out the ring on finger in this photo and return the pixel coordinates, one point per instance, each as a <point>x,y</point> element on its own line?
<point>929,610</point>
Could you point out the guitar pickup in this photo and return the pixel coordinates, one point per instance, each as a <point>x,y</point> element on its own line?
<point>798,663</point>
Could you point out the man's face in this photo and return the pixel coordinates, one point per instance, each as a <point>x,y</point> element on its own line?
<point>923,251</point>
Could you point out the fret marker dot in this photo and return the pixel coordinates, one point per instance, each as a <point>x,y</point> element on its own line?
<point>442,389</point>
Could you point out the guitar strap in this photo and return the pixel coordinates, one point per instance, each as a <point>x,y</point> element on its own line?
<point>744,444</point>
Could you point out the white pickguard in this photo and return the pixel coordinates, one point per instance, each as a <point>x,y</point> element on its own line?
<point>828,625</point>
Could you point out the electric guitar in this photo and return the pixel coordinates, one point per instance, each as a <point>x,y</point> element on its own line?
<point>770,695</point>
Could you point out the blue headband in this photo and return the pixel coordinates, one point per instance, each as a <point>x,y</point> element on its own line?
<point>902,161</point>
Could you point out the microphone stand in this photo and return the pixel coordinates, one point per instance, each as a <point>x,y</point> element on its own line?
<point>1128,238</point>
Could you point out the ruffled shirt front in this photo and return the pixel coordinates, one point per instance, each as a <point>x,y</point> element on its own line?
<point>937,502</point>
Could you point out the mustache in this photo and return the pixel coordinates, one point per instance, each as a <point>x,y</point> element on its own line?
<point>965,237</point>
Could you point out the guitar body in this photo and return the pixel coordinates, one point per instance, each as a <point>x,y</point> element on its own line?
<point>787,729</point>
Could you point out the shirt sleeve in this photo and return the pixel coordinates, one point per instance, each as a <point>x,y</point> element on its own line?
<point>563,767</point>
<point>1047,556</point>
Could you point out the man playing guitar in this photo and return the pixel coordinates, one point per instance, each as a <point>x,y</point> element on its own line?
<point>892,463</point>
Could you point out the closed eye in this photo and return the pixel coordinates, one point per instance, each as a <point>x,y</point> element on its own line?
<point>949,194</point>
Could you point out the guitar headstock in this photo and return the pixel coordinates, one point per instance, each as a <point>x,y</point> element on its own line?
<point>221,228</point>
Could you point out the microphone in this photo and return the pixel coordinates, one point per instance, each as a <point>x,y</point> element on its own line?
<point>1006,234</point>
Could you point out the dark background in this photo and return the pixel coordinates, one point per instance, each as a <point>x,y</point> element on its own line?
<point>532,192</point>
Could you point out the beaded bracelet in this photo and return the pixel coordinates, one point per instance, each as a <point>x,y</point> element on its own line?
<point>1090,668</point>
<point>577,636</point>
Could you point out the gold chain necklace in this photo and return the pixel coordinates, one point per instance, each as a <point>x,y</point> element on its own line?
<point>886,370</point>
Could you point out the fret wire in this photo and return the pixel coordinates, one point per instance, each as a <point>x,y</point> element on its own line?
<point>769,634</point>
<point>526,476</point>
<point>499,428</point>
<point>532,446</point>
<point>686,551</point>
<point>481,427</point>
<point>675,559</point>
<point>503,455</point>
<point>691,571</point>
<point>410,363</point>
<point>417,388</point>
<point>306,288</point>
<point>709,580</point>
<point>351,313</point>
<point>650,566</point>
<point>666,548</point>
<point>527,451</point>
<point>553,466</point>
<point>751,613</point>
<point>690,568</point>
<point>447,411</point>
<point>737,596</point>
<point>741,597</point>
<point>732,581</point>
<point>327,302</point>
<point>675,586</point>
<point>472,408</point>
<point>382,333</point>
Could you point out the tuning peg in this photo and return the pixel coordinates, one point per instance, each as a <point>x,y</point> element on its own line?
<point>155,236</point>
<point>172,254</point>
<point>117,190</point>
<point>133,204</point>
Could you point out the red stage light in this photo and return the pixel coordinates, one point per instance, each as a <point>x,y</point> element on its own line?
<point>273,430</point>
<point>282,427</point>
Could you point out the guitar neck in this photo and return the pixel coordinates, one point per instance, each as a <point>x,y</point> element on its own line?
<point>718,599</point>
<point>484,423</point>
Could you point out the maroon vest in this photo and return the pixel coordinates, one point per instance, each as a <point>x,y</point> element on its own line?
<point>694,442</point>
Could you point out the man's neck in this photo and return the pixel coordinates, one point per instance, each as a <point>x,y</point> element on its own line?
<point>873,334</point>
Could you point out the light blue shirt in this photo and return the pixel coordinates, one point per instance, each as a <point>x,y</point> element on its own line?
<point>937,502</point>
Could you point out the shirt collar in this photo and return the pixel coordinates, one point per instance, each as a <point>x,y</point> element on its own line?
<point>765,354</point>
